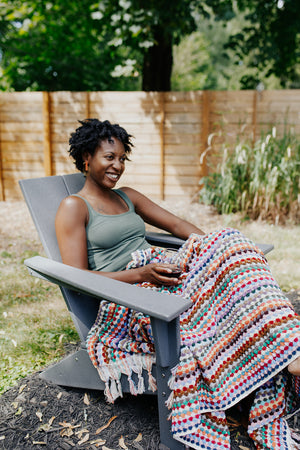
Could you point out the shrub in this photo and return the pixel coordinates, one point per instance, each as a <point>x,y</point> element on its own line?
<point>260,180</point>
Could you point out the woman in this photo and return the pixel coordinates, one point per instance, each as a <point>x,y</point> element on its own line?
<point>241,335</point>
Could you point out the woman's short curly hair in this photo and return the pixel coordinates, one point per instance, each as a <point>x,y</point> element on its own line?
<point>88,137</point>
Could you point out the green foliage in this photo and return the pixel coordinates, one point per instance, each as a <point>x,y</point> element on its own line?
<point>59,46</point>
<point>261,180</point>
<point>269,41</point>
<point>88,45</point>
<point>200,61</point>
<point>128,44</point>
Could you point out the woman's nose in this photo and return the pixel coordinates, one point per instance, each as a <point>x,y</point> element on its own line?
<point>117,164</point>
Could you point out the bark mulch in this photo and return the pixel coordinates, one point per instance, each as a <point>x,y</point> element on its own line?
<point>37,415</point>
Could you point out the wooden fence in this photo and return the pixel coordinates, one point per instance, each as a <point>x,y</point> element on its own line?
<point>178,135</point>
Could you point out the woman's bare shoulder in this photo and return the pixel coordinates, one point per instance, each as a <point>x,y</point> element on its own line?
<point>132,193</point>
<point>72,207</point>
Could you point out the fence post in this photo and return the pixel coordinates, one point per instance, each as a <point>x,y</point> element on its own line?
<point>162,144</point>
<point>254,114</point>
<point>48,167</point>
<point>2,192</point>
<point>206,98</point>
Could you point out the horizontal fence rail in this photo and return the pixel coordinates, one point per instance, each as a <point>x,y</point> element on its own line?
<point>178,136</point>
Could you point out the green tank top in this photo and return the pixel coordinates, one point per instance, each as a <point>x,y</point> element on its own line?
<point>112,238</point>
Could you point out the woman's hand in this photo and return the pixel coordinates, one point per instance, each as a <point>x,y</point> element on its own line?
<point>161,274</point>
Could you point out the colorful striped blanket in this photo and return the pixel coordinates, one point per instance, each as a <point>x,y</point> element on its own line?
<point>237,338</point>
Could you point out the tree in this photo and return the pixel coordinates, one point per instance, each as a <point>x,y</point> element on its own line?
<point>201,61</point>
<point>153,28</point>
<point>270,40</point>
<point>66,44</point>
<point>56,46</point>
<point>129,44</point>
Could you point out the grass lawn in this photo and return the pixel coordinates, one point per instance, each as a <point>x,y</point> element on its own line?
<point>34,321</point>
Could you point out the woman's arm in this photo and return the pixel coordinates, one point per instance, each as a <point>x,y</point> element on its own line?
<point>159,217</point>
<point>70,223</point>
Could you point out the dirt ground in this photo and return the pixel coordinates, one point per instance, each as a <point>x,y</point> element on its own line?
<point>37,415</point>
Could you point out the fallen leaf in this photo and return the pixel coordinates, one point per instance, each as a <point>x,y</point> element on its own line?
<point>84,439</point>
<point>59,395</point>
<point>122,443</point>
<point>39,414</point>
<point>68,425</point>
<point>139,438</point>
<point>19,411</point>
<point>106,448</point>
<point>51,421</point>
<point>65,424</point>
<point>21,388</point>
<point>15,404</point>
<point>3,437</point>
<point>39,443</point>
<point>79,433</point>
<point>86,400</point>
<point>98,442</point>
<point>44,427</point>
<point>107,425</point>
<point>66,432</point>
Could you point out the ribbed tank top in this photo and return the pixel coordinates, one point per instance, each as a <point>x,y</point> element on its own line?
<point>112,238</point>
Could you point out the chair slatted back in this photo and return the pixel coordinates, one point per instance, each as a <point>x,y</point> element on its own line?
<point>43,197</point>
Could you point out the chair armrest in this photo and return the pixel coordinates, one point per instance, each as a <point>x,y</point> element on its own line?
<point>158,305</point>
<point>266,248</point>
<point>168,240</point>
<point>164,240</point>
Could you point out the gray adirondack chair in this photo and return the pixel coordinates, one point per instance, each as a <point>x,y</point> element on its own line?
<point>83,290</point>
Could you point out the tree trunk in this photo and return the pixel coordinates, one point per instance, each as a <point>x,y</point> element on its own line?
<point>158,62</point>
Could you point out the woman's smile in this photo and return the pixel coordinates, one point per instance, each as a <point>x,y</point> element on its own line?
<point>113,176</point>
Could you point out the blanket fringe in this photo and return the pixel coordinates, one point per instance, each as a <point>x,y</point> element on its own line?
<point>134,363</point>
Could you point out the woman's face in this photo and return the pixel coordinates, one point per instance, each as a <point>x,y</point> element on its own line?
<point>108,163</point>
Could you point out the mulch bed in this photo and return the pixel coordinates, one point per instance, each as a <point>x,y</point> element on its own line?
<point>37,415</point>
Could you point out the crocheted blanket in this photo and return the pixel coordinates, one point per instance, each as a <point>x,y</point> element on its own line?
<point>237,338</point>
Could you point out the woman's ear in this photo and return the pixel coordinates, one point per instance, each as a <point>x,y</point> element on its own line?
<point>85,158</point>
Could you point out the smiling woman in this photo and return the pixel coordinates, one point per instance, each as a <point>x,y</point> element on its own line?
<point>100,227</point>
<point>240,337</point>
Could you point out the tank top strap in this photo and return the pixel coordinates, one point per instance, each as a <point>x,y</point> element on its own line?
<point>91,210</point>
<point>118,191</point>
<point>125,198</point>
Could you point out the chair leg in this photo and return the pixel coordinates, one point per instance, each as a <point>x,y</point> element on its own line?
<point>167,442</point>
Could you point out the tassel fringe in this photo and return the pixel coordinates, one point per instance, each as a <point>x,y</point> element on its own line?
<point>135,363</point>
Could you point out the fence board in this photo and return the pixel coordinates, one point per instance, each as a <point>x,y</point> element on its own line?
<point>171,131</point>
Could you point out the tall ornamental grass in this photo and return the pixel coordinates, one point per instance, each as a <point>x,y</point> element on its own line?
<point>261,180</point>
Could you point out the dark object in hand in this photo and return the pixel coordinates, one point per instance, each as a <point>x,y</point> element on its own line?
<point>174,274</point>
